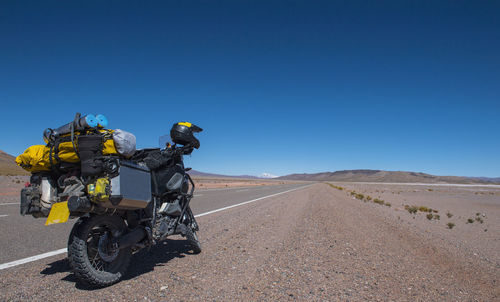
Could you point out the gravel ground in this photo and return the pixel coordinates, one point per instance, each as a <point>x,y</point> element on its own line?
<point>481,238</point>
<point>10,186</point>
<point>216,183</point>
<point>313,244</point>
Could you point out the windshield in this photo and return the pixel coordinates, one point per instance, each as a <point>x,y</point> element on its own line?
<point>163,140</point>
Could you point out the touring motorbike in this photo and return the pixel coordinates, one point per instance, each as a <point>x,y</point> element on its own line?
<point>123,204</point>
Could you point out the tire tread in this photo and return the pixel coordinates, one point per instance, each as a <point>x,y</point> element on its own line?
<point>78,258</point>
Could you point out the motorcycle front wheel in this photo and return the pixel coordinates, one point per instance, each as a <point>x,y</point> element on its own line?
<point>192,228</point>
<point>193,240</point>
<point>91,256</point>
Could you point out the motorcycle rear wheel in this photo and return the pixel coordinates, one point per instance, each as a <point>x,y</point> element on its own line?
<point>90,257</point>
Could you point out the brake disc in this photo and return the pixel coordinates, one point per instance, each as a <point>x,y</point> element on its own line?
<point>107,254</point>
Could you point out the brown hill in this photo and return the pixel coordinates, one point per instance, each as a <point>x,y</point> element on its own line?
<point>195,173</point>
<point>388,176</point>
<point>8,165</point>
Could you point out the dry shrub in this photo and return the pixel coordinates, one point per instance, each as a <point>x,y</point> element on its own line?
<point>360,196</point>
<point>424,209</point>
<point>336,187</point>
<point>411,209</point>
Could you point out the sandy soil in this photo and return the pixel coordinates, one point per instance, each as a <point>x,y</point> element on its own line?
<point>480,204</point>
<point>314,244</point>
<point>10,187</point>
<point>215,183</point>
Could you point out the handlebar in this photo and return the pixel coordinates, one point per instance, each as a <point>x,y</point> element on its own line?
<point>183,150</point>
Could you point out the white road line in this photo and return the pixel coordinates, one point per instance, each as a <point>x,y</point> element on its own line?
<point>247,202</point>
<point>31,259</point>
<point>196,195</point>
<point>10,203</point>
<point>4,215</point>
<point>242,190</point>
<point>62,251</point>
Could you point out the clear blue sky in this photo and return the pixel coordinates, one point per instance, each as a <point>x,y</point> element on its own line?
<point>279,86</point>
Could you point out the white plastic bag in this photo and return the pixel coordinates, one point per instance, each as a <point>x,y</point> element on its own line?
<point>124,142</point>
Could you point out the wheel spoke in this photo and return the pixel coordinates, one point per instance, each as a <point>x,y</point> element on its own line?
<point>93,238</point>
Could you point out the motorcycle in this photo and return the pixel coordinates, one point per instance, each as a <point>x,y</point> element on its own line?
<point>123,204</point>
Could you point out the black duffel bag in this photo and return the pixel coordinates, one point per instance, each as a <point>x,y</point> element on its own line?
<point>90,153</point>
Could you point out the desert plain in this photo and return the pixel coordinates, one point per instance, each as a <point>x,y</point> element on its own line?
<point>324,241</point>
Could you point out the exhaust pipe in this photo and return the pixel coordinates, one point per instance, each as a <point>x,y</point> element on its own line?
<point>79,204</point>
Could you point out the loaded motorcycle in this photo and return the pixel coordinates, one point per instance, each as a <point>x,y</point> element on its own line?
<point>125,199</point>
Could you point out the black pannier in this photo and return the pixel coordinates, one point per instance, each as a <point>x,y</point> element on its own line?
<point>171,180</point>
<point>167,177</point>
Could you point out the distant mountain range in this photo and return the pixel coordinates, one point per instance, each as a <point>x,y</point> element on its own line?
<point>8,165</point>
<point>388,176</point>
<point>211,175</point>
<point>203,174</point>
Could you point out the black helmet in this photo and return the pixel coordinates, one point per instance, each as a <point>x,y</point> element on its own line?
<point>182,134</point>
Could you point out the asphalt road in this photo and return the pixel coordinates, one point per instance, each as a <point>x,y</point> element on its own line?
<point>22,237</point>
